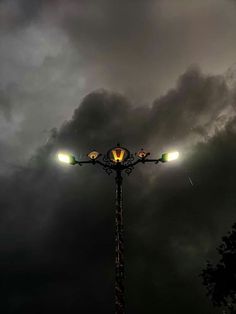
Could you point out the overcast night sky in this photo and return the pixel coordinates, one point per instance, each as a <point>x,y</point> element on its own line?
<point>82,75</point>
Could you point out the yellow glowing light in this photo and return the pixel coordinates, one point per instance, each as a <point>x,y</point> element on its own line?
<point>93,155</point>
<point>64,158</point>
<point>118,154</point>
<point>170,156</point>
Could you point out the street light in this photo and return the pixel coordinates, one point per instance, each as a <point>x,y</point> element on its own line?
<point>118,159</point>
<point>170,156</point>
<point>66,158</point>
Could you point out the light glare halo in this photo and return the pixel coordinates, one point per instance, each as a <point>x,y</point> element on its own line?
<point>169,156</point>
<point>172,156</point>
<point>64,158</point>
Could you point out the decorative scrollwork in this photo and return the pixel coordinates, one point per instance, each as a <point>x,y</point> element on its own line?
<point>108,170</point>
<point>108,164</point>
<point>106,159</point>
<point>129,170</point>
<point>128,163</point>
<point>131,158</point>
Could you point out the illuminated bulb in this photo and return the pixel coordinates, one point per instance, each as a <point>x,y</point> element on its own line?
<point>64,158</point>
<point>170,156</point>
<point>118,154</point>
<point>93,155</point>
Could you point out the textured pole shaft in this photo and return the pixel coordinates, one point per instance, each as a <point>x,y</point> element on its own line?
<point>119,284</point>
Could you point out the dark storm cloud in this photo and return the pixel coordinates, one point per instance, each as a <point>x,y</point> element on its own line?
<point>5,104</point>
<point>57,222</point>
<point>15,13</point>
<point>56,225</point>
<point>136,47</point>
<point>55,52</point>
<point>141,47</point>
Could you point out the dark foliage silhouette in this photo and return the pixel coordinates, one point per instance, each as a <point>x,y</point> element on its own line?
<point>220,280</point>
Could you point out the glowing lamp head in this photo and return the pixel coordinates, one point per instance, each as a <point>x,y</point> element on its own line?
<point>66,158</point>
<point>142,154</point>
<point>94,155</point>
<point>118,154</point>
<point>170,156</point>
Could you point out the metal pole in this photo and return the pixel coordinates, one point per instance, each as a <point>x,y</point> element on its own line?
<point>119,281</point>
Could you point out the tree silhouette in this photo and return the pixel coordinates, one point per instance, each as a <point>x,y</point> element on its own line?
<point>220,280</point>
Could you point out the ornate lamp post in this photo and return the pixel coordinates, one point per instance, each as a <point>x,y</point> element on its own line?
<point>118,159</point>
